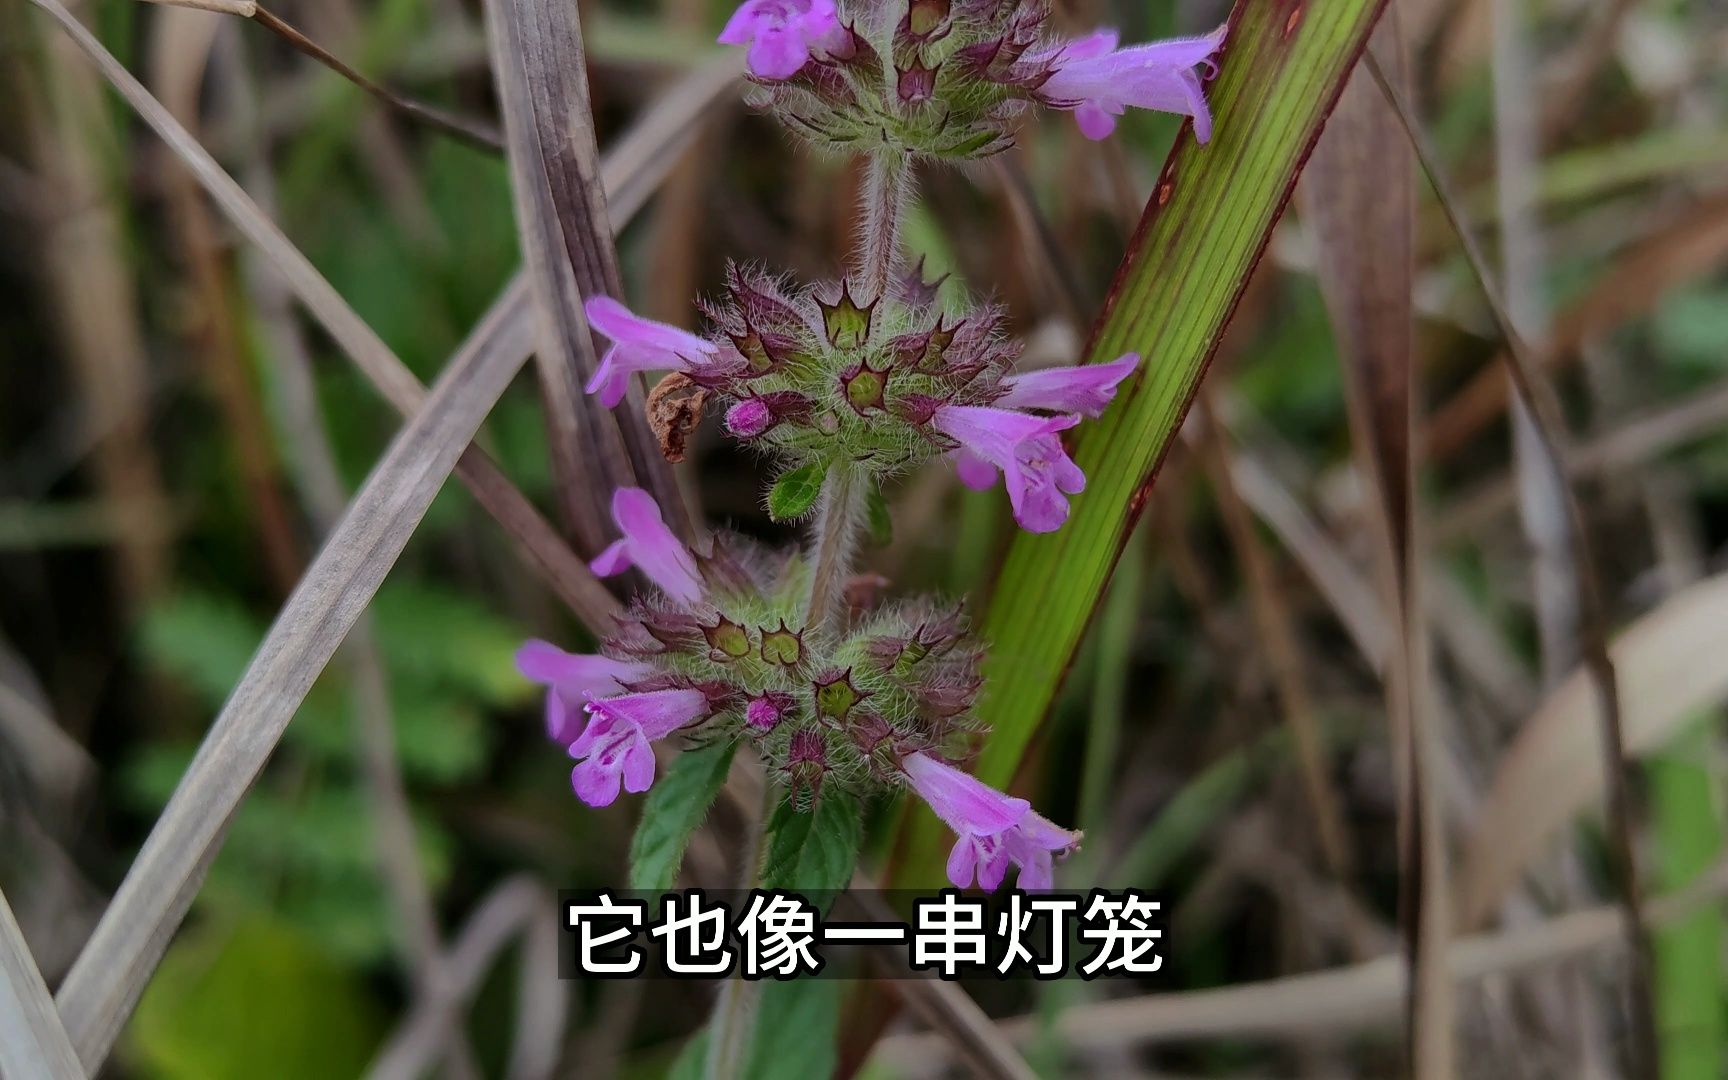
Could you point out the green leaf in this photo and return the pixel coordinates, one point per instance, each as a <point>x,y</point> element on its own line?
<point>814,853</point>
<point>691,1059</point>
<point>880,522</point>
<point>1211,214</point>
<point>203,639</point>
<point>793,1024</point>
<point>674,808</point>
<point>795,492</point>
<point>226,1000</point>
<point>797,1024</point>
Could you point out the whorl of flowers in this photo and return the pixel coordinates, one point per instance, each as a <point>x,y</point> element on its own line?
<point>943,78</point>
<point>840,703</point>
<point>879,386</point>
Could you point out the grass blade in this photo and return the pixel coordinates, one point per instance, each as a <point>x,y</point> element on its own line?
<point>1670,664</point>
<point>105,981</point>
<point>32,1040</point>
<point>537,59</point>
<point>1360,193</point>
<point>1210,217</point>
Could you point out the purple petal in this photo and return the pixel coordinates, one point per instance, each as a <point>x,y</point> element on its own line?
<point>1095,123</point>
<point>963,863</point>
<point>967,805</point>
<point>563,723</point>
<point>595,784</point>
<point>1037,873</point>
<point>1097,43</point>
<point>614,560</point>
<point>1086,389</point>
<point>974,471</point>
<point>656,714</point>
<point>1038,832</point>
<point>777,54</point>
<point>742,25</point>
<point>602,728</point>
<point>577,674</point>
<point>625,327</point>
<point>993,867</point>
<point>638,766</point>
<point>653,547</point>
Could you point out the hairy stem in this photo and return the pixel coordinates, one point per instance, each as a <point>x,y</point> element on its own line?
<point>836,538</point>
<point>886,187</point>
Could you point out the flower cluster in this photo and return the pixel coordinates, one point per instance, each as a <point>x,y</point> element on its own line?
<point>719,651</point>
<point>943,78</point>
<point>819,378</point>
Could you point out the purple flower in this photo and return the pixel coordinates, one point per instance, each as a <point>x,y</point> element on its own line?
<point>784,34</point>
<point>649,545</point>
<point>1027,450</point>
<point>615,746</point>
<point>638,344</point>
<point>992,829</point>
<point>1086,389</point>
<point>570,680</point>
<point>1099,81</point>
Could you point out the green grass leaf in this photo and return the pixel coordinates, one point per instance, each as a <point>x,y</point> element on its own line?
<point>1211,214</point>
<point>1689,977</point>
<point>674,808</point>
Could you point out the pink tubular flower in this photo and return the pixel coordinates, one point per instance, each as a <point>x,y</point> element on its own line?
<point>1099,81</point>
<point>650,545</point>
<point>1028,451</point>
<point>638,344</point>
<point>992,829</point>
<point>1086,389</point>
<point>570,680</point>
<point>615,746</point>
<point>784,34</point>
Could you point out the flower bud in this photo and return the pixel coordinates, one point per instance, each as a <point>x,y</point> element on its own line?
<point>767,709</point>
<point>749,418</point>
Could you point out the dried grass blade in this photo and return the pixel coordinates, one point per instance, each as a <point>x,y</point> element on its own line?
<point>1339,1001</point>
<point>1546,427</point>
<point>105,981</point>
<point>1670,668</point>
<point>542,77</point>
<point>1693,245</point>
<point>630,173</point>
<point>1359,192</point>
<point>1276,630</point>
<point>33,1042</point>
